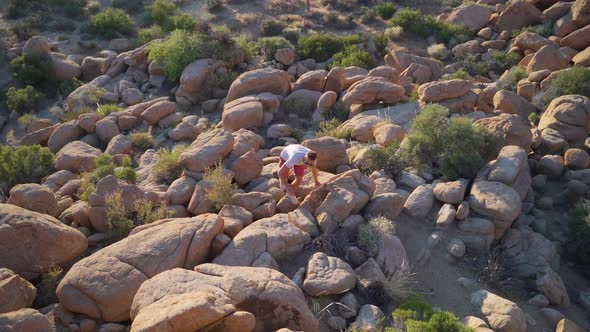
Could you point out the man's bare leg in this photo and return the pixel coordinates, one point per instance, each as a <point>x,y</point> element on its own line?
<point>284,178</point>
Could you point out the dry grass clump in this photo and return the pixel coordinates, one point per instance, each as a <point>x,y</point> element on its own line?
<point>438,51</point>
<point>248,18</point>
<point>46,288</point>
<point>394,33</point>
<point>221,187</point>
<point>167,167</point>
<point>283,7</point>
<point>400,284</point>
<point>370,234</point>
<point>142,140</point>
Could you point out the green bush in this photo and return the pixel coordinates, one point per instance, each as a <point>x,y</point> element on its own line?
<point>148,34</point>
<point>579,223</point>
<point>181,48</point>
<point>26,120</point>
<point>370,234</point>
<point>22,8</point>
<point>46,288</point>
<point>71,8</point>
<point>126,171</point>
<point>455,148</point>
<point>502,61</point>
<point>118,218</point>
<point>381,41</point>
<point>292,34</point>
<point>141,140</point>
<point>249,47</point>
<point>440,321</point>
<point>322,46</point>
<point>509,81</point>
<point>270,45</point>
<point>167,168</point>
<point>543,29</point>
<point>388,159</point>
<point>22,164</point>
<point>385,10</point>
<point>147,212</point>
<point>574,81</point>
<point>220,188</point>
<point>333,128</point>
<point>161,10</point>
<point>32,70</point>
<point>460,74</point>
<point>271,27</point>
<point>214,5</point>
<point>87,186</point>
<point>104,110</point>
<point>414,21</point>
<point>182,22</point>
<point>104,166</point>
<point>23,100</point>
<point>130,6</point>
<point>352,56</point>
<point>112,21</point>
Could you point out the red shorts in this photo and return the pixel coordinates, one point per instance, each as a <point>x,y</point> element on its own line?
<point>299,170</point>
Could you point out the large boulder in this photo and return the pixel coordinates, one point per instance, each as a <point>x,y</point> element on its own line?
<point>451,192</point>
<point>275,236</point>
<point>578,40</point>
<point>247,167</point>
<point>511,103</point>
<point>25,320</point>
<point>474,16</point>
<point>65,69</point>
<point>156,112</point>
<point>103,285</point>
<point>519,14</point>
<point>76,156</point>
<point>502,315</point>
<point>442,90</point>
<point>254,82</point>
<point>402,60</point>
<point>548,57</point>
<point>420,201</point>
<point>531,41</point>
<point>46,243</point>
<point>373,90</point>
<point>508,129</point>
<point>497,201</point>
<point>568,118</point>
<point>34,197</point>
<point>362,127</point>
<point>327,275</point>
<point>242,113</point>
<point>207,150</point>
<point>216,295</point>
<point>193,80</point>
<point>580,13</point>
<point>476,233</point>
<point>16,292</point>
<point>529,253</point>
<point>36,46</point>
<point>62,135</point>
<point>331,152</point>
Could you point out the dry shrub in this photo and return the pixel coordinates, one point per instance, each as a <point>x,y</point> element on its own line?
<point>283,6</point>
<point>394,33</point>
<point>46,288</point>
<point>221,187</point>
<point>248,18</point>
<point>370,234</point>
<point>438,51</point>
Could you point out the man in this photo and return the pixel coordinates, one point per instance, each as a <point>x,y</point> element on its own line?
<point>296,157</point>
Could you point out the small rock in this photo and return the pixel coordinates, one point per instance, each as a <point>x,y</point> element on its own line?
<point>539,300</point>
<point>456,248</point>
<point>349,307</point>
<point>337,323</point>
<point>545,203</point>
<point>368,318</point>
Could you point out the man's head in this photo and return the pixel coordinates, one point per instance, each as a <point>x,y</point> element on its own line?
<point>311,157</point>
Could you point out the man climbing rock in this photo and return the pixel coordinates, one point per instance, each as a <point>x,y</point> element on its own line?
<point>296,157</point>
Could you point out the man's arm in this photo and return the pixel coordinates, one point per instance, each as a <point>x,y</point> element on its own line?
<point>314,171</point>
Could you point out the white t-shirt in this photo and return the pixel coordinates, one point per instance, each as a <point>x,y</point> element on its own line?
<point>293,154</point>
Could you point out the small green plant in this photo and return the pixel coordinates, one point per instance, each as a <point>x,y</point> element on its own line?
<point>370,234</point>
<point>130,6</point>
<point>339,111</point>
<point>69,114</point>
<point>352,56</point>
<point>460,74</point>
<point>270,45</point>
<point>271,27</point>
<point>579,224</point>
<point>147,212</point>
<point>27,119</point>
<point>220,188</point>
<point>414,21</point>
<point>118,218</point>
<point>148,34</point>
<point>182,22</point>
<point>389,159</point>
<point>534,118</point>
<point>167,168</point>
<point>502,61</point>
<point>67,87</point>
<point>142,140</point>
<point>249,47</point>
<point>22,164</point>
<point>32,70</point>
<point>573,81</point>
<point>440,321</point>
<point>214,5</point>
<point>333,128</point>
<point>394,33</point>
<point>161,10</point>
<point>543,29</point>
<point>112,21</point>
<point>126,171</point>
<point>321,46</point>
<point>87,186</point>
<point>181,48</point>
<point>380,39</point>
<point>105,110</point>
<point>23,100</point>
<point>104,166</point>
<point>46,288</point>
<point>509,81</point>
<point>385,10</point>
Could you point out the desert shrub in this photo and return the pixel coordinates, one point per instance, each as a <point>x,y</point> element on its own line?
<point>27,119</point>
<point>414,21</point>
<point>460,74</point>
<point>181,48</point>
<point>249,47</point>
<point>333,128</point>
<point>394,33</point>
<point>167,168</point>
<point>214,5</point>
<point>321,46</point>
<point>388,159</point>
<point>534,118</point>
<point>543,29</point>
<point>147,212</point>
<point>24,30</point>
<point>70,114</point>
<point>23,100</point>
<point>29,163</point>
<point>400,284</point>
<point>380,39</point>
<point>87,186</point>
<point>118,219</point>
<point>220,188</point>
<point>292,34</point>
<point>47,286</point>
<point>148,34</point>
<point>270,45</point>
<point>94,6</point>
<point>277,7</point>
<point>369,234</point>
<point>301,108</point>
<point>509,81</point>
<point>574,81</point>
<point>141,140</point>
<point>130,6</point>
<point>62,25</point>
<point>126,172</point>
<point>579,223</point>
<point>417,304</point>
<point>385,10</point>
<point>438,51</point>
<point>32,70</point>
<point>161,10</point>
<point>339,111</point>
<point>181,22</point>
<point>271,27</point>
<point>368,15</point>
<point>112,21</point>
<point>352,56</point>
<point>440,321</point>
<point>104,110</point>
<point>502,61</point>
<point>455,148</point>
<point>71,8</point>
<point>104,166</point>
<point>474,65</point>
